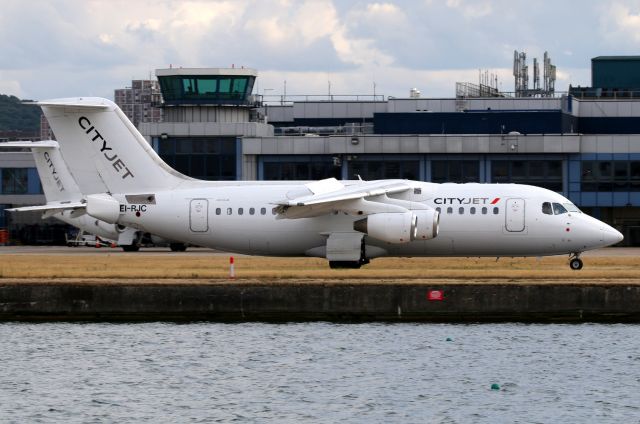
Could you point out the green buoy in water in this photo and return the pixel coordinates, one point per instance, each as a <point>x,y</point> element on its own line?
<point>449,339</point>
<point>495,386</point>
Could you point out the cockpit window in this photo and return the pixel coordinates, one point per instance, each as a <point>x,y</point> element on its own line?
<point>571,207</point>
<point>546,208</point>
<point>558,209</point>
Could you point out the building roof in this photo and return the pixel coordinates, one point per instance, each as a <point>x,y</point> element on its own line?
<point>206,71</point>
<point>603,58</point>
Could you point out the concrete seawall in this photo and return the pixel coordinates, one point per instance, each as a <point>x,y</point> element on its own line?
<point>344,301</point>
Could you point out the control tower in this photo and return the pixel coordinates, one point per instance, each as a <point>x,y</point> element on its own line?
<point>206,113</point>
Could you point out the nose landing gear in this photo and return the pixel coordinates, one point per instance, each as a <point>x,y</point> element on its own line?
<point>575,263</point>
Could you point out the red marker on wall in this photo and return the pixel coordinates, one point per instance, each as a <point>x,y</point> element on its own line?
<point>232,271</point>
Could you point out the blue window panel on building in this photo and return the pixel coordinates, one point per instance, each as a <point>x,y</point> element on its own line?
<point>475,122</point>
<point>588,199</point>
<point>620,199</point>
<point>34,186</point>
<point>574,171</point>
<point>634,198</point>
<point>604,199</point>
<point>604,156</point>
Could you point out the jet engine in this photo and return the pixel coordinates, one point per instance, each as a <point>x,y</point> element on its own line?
<point>395,227</point>
<point>428,224</point>
<point>103,207</point>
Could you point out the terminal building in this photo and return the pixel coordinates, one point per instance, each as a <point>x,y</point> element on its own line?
<point>583,144</point>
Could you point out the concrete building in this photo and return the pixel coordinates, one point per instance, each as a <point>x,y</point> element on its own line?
<point>139,102</point>
<point>45,129</point>
<point>586,147</point>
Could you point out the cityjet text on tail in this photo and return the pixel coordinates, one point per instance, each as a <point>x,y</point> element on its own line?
<point>125,182</point>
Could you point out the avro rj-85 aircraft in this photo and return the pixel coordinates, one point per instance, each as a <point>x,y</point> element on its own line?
<point>125,182</point>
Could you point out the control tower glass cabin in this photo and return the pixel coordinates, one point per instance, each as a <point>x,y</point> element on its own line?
<point>206,86</point>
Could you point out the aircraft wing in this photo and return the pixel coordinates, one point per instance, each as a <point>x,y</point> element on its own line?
<point>331,196</point>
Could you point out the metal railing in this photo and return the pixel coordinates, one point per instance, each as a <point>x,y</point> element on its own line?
<point>288,99</point>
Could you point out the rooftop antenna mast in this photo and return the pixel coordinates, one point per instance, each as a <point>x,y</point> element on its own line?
<point>521,75</point>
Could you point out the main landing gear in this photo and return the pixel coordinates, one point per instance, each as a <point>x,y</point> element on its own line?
<point>348,264</point>
<point>575,263</point>
<point>352,264</point>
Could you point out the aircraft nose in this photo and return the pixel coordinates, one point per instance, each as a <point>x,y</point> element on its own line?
<point>611,236</point>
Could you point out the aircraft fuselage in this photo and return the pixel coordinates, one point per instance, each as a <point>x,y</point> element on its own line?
<point>475,220</point>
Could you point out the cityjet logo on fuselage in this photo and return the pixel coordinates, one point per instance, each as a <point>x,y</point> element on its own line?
<point>465,201</point>
<point>116,162</point>
<point>54,174</point>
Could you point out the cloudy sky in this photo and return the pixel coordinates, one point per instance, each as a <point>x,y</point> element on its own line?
<point>64,48</point>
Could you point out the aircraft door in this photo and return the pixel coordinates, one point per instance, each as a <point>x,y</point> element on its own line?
<point>514,215</point>
<point>199,215</point>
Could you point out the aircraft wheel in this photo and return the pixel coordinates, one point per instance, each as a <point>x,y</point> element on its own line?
<point>130,247</point>
<point>344,264</point>
<point>575,264</point>
<point>177,247</point>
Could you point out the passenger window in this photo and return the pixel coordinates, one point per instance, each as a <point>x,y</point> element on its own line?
<point>263,211</point>
<point>472,211</point>
<point>439,210</point>
<point>546,208</point>
<point>218,211</point>
<point>558,209</point>
<point>229,211</point>
<point>252,211</point>
<point>484,211</point>
<point>240,211</point>
<point>273,211</point>
<point>495,211</point>
<point>461,211</point>
<point>449,210</point>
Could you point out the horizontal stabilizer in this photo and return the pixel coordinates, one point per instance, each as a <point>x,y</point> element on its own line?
<point>75,102</point>
<point>44,144</point>
<point>53,206</point>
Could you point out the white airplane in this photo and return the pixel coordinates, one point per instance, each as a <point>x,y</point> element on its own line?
<point>347,222</point>
<point>65,202</point>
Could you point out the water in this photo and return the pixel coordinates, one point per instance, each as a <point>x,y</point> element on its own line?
<point>319,372</point>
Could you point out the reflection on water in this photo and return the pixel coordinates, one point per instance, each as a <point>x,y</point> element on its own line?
<point>319,372</point>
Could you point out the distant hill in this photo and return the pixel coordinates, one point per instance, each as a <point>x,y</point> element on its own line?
<point>14,116</point>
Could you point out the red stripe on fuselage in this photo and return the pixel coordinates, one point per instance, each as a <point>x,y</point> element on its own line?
<point>496,200</point>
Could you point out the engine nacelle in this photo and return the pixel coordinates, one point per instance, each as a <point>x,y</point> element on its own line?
<point>428,224</point>
<point>396,227</point>
<point>103,207</point>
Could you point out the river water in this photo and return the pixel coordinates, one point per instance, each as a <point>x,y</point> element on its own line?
<point>319,372</point>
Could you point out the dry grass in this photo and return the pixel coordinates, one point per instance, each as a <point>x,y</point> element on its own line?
<point>217,267</point>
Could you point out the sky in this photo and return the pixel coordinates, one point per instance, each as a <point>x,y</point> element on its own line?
<point>67,48</point>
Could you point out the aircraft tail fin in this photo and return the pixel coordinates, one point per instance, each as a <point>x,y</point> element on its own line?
<point>57,182</point>
<point>103,149</point>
